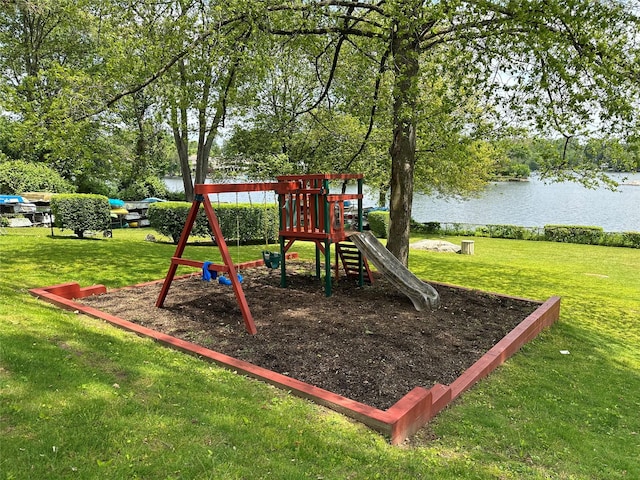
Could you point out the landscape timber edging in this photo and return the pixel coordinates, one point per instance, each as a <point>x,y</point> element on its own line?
<point>398,422</point>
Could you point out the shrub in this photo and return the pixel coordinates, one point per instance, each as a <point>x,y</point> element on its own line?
<point>506,231</point>
<point>482,232</point>
<point>379,223</point>
<point>18,176</point>
<point>623,239</point>
<point>243,222</point>
<point>176,196</point>
<point>573,234</point>
<point>631,239</point>
<point>460,229</point>
<point>533,233</point>
<point>432,227</point>
<point>428,228</point>
<point>248,223</point>
<point>96,186</point>
<point>81,212</point>
<point>146,188</point>
<point>168,218</point>
<point>612,239</point>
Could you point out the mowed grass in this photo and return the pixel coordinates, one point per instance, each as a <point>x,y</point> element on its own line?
<point>81,399</point>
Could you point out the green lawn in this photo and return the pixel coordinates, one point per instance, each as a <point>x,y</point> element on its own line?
<point>81,399</point>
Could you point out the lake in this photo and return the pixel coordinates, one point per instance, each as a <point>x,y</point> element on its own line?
<point>531,204</point>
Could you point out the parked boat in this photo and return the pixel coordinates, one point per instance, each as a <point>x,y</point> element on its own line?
<point>16,204</point>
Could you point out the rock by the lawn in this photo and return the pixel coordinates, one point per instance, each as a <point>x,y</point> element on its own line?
<point>436,246</point>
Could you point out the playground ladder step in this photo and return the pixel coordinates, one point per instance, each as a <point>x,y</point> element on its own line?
<point>350,257</point>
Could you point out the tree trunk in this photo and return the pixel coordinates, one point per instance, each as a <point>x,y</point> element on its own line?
<point>181,141</point>
<point>142,149</point>
<point>403,148</point>
<point>383,189</point>
<point>180,129</point>
<point>202,157</point>
<point>185,168</point>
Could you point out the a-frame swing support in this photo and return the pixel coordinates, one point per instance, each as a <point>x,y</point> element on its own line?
<point>202,192</point>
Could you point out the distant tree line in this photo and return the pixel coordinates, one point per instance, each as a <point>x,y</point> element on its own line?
<point>523,155</point>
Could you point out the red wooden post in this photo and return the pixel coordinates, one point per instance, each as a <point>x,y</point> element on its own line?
<point>182,243</point>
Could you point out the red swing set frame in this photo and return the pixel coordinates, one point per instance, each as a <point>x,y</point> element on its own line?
<point>307,212</point>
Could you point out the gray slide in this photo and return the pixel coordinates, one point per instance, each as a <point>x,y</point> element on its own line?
<point>421,294</point>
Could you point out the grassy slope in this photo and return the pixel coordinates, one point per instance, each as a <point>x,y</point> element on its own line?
<point>80,399</point>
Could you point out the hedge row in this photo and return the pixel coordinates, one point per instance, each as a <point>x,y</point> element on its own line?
<point>244,222</point>
<point>379,223</point>
<point>573,234</point>
<point>553,233</point>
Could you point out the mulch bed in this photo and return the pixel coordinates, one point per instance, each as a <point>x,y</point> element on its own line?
<point>365,343</point>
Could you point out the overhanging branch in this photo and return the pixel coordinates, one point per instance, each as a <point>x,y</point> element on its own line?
<point>374,107</point>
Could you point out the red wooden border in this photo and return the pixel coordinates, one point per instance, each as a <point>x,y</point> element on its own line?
<point>398,422</point>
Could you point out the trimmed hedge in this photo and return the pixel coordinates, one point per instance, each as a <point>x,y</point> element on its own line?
<point>573,234</point>
<point>168,218</point>
<point>502,231</point>
<point>554,233</point>
<point>249,222</point>
<point>81,212</point>
<point>244,222</point>
<point>631,239</point>
<point>379,223</point>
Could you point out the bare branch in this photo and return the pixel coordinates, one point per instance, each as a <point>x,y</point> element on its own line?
<point>327,30</point>
<point>329,3</point>
<point>374,107</point>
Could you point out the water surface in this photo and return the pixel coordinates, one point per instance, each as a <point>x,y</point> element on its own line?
<point>531,204</point>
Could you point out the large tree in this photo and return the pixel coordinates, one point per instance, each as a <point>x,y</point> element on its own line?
<point>60,60</point>
<point>47,51</point>
<point>567,67</point>
<point>190,55</point>
<point>563,66</point>
<point>197,91</point>
<point>290,127</point>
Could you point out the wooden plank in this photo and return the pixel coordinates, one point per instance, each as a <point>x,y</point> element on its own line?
<point>320,176</point>
<point>280,187</point>
<point>198,264</point>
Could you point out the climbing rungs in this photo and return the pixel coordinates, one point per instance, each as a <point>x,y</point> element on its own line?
<point>350,257</point>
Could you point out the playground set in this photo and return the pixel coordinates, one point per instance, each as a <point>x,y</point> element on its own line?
<point>308,211</point>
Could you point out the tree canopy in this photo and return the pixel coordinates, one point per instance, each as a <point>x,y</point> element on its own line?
<point>565,67</point>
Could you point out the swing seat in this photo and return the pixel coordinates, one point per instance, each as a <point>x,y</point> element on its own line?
<point>227,281</point>
<point>271,259</point>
